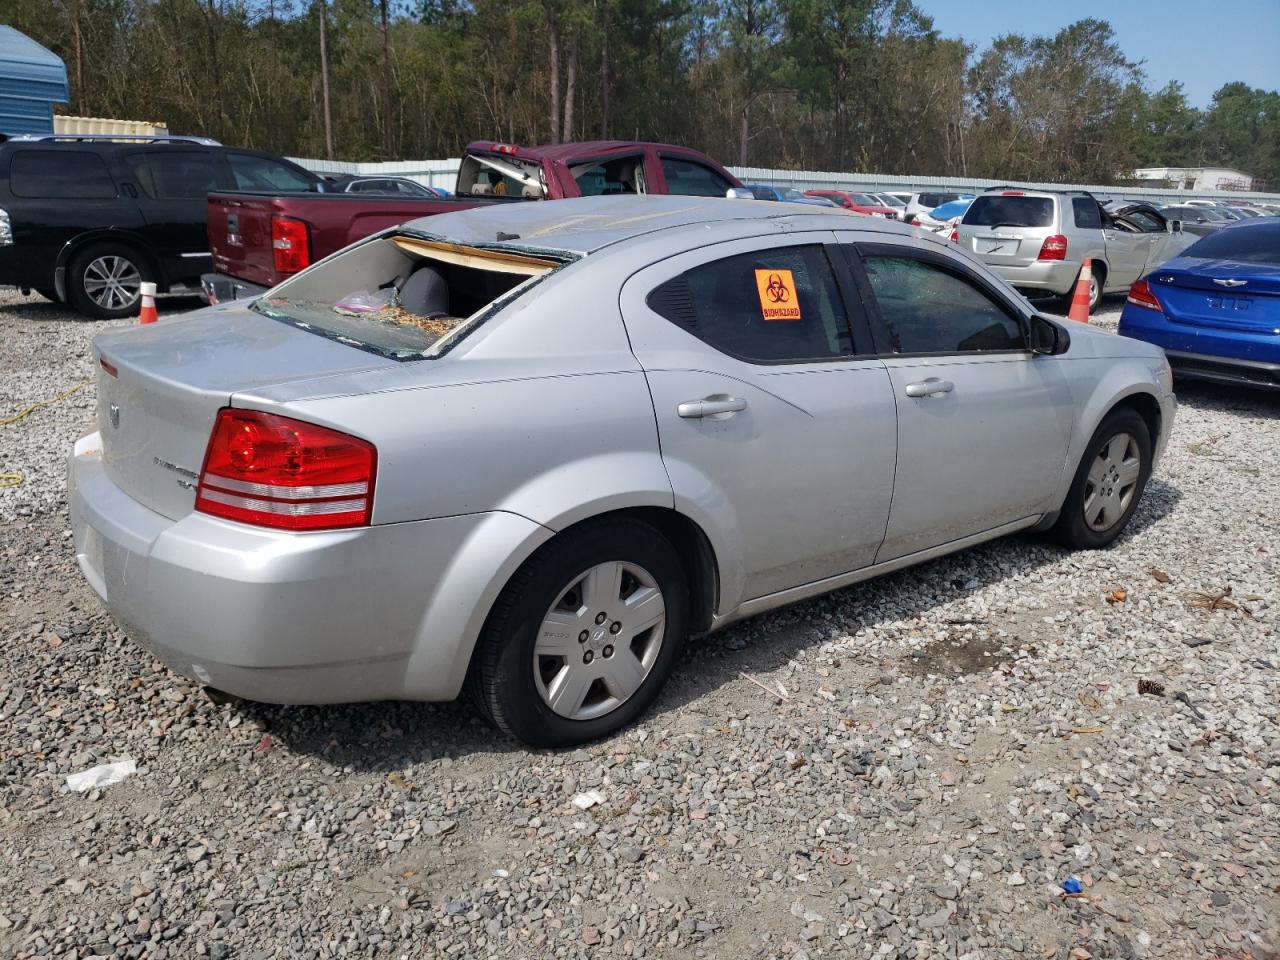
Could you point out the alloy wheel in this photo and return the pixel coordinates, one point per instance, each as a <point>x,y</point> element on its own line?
<point>1113,478</point>
<point>599,640</point>
<point>112,282</point>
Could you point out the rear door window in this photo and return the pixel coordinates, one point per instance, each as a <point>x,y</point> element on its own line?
<point>1001,211</point>
<point>1086,212</point>
<point>688,178</point>
<point>174,174</point>
<point>262,173</point>
<point>929,309</point>
<point>60,175</point>
<point>767,306</point>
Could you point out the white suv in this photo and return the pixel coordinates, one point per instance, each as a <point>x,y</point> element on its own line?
<point>1038,240</point>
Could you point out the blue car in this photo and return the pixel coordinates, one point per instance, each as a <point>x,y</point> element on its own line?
<point>764,191</point>
<point>1215,308</point>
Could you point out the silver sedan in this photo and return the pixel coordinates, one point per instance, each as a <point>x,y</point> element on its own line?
<point>530,449</point>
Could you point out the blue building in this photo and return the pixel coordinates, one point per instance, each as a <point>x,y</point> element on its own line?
<point>32,80</point>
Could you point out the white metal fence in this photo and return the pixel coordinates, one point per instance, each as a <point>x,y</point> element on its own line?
<point>444,173</point>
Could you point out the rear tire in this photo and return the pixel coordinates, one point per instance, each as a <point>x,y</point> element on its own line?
<point>536,679</point>
<point>1108,484</point>
<point>104,280</point>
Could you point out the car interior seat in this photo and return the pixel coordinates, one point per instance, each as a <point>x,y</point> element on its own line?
<point>426,292</point>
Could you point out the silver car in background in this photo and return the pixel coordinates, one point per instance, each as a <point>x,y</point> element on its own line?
<point>1038,241</point>
<point>528,450</point>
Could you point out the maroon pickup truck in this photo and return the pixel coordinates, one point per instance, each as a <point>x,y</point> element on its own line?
<point>259,239</point>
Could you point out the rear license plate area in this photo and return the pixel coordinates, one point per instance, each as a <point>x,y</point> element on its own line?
<point>998,245</point>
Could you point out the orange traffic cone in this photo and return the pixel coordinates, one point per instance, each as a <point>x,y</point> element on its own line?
<point>1080,299</point>
<point>148,314</point>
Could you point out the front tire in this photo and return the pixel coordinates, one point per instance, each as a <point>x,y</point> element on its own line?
<point>1108,484</point>
<point>104,281</point>
<point>620,585</point>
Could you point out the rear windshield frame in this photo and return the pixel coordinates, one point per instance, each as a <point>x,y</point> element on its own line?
<point>974,216</point>
<point>1206,247</point>
<point>445,343</point>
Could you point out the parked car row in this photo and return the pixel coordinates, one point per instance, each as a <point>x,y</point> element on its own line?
<point>86,219</point>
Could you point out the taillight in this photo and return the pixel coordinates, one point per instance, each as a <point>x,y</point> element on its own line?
<point>274,471</point>
<point>290,244</point>
<point>1054,248</point>
<point>1140,295</point>
<point>955,234</point>
<point>1013,193</point>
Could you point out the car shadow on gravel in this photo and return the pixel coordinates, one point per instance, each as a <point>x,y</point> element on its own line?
<point>40,311</point>
<point>1228,398</point>
<point>391,736</point>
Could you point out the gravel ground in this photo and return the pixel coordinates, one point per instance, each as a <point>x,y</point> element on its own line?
<point>949,744</point>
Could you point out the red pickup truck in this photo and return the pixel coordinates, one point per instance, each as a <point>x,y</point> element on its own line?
<point>259,239</point>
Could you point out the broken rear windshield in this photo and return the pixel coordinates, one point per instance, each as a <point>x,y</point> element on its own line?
<point>403,297</point>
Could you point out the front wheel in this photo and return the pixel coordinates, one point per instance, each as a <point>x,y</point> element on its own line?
<point>583,637</point>
<point>1108,483</point>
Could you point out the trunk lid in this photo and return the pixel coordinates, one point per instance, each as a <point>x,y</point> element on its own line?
<point>1221,293</point>
<point>156,411</point>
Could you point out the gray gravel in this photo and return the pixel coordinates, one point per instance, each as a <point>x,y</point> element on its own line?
<point>955,742</point>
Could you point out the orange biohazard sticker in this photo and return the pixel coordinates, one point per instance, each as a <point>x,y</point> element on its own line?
<point>777,291</point>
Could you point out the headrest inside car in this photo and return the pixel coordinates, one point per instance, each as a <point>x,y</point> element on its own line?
<point>425,293</point>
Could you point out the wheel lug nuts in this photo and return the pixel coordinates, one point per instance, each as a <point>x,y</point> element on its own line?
<point>582,637</point>
<point>588,657</point>
<point>607,651</point>
<point>600,618</point>
<point>615,626</point>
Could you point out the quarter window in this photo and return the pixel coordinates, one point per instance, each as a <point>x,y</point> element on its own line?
<point>60,174</point>
<point>1086,213</point>
<point>688,178</point>
<point>768,306</point>
<point>930,310</point>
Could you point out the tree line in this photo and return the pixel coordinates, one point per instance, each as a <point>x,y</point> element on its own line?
<point>847,85</point>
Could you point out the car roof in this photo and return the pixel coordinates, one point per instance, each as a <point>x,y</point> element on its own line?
<point>587,224</point>
<point>574,150</point>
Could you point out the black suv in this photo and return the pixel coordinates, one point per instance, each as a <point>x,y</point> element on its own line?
<point>85,220</point>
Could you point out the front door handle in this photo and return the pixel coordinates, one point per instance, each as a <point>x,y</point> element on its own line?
<point>929,388</point>
<point>718,407</point>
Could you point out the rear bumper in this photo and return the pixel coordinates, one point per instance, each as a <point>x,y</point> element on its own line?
<point>220,288</point>
<point>1207,353</point>
<point>1052,276</point>
<point>383,612</point>
<point>1201,366</point>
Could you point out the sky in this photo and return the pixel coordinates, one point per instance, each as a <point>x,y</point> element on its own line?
<point>1184,40</point>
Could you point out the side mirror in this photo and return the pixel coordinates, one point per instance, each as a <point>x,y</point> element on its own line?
<point>1047,337</point>
<point>739,193</point>
<point>1175,226</point>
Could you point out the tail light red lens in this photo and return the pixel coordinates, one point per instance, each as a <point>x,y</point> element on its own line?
<point>955,234</point>
<point>290,244</point>
<point>1140,295</point>
<point>1054,248</point>
<point>274,471</point>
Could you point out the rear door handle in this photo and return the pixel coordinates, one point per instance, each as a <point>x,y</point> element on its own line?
<point>719,407</point>
<point>929,388</point>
